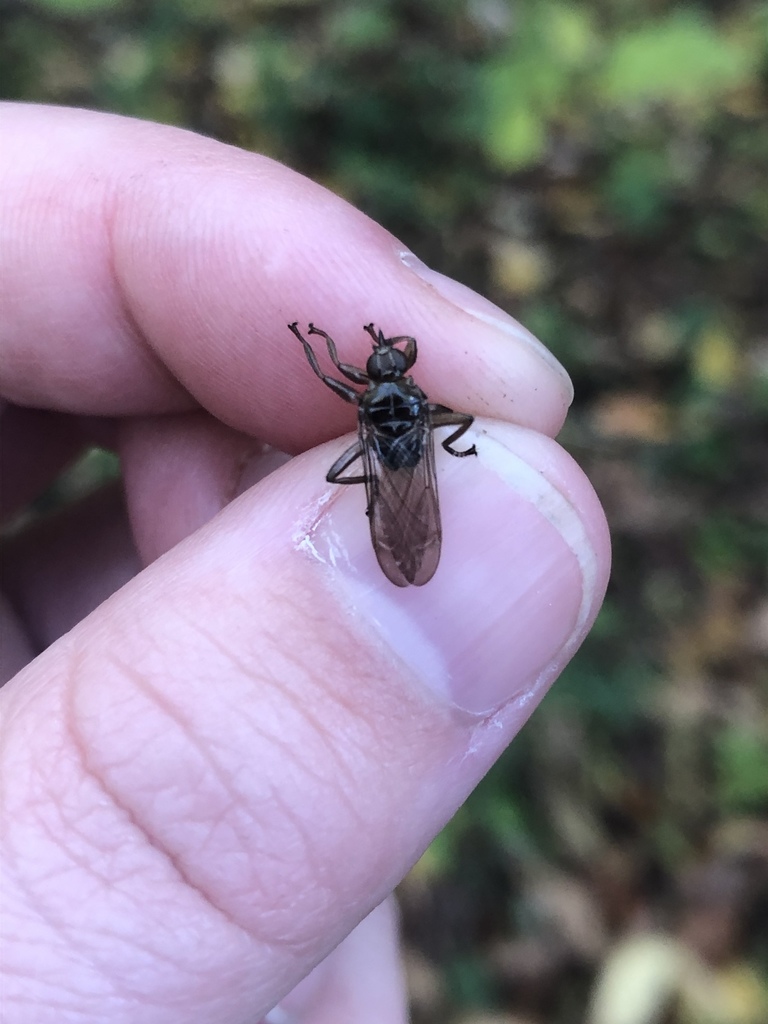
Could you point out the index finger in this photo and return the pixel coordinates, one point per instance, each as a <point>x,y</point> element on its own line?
<point>144,269</point>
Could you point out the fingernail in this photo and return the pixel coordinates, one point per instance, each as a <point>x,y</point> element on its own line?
<point>476,305</point>
<point>511,592</point>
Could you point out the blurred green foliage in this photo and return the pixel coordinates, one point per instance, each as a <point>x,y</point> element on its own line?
<point>600,170</point>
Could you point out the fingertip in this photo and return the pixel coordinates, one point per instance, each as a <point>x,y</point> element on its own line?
<point>174,273</point>
<point>524,566</point>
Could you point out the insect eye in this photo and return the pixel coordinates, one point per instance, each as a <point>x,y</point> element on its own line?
<point>386,362</point>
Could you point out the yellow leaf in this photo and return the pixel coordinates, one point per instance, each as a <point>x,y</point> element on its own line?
<point>632,416</point>
<point>716,360</point>
<point>518,268</point>
<point>639,981</point>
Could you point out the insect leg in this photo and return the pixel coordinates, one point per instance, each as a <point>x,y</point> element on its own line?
<point>409,351</point>
<point>352,373</point>
<point>337,386</point>
<point>442,416</point>
<point>343,462</point>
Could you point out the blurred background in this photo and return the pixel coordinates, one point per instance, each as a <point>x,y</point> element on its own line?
<point>600,170</point>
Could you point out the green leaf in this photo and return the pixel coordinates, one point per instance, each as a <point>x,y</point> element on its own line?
<point>517,139</point>
<point>727,544</point>
<point>79,7</point>
<point>571,33</point>
<point>682,60</point>
<point>742,758</point>
<point>355,29</point>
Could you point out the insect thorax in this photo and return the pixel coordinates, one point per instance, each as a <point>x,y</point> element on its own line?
<point>396,411</point>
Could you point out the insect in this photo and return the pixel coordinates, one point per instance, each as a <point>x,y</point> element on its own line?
<point>395,444</point>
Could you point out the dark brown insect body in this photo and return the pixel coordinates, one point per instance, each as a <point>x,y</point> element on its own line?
<point>395,424</point>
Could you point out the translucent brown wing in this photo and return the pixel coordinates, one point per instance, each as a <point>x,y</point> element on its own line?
<point>403,508</point>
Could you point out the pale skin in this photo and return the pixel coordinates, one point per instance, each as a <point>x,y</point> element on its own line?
<point>217,763</point>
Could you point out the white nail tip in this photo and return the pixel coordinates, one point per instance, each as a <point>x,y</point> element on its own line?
<point>530,484</point>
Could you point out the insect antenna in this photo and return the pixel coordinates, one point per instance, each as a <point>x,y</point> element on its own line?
<point>377,336</point>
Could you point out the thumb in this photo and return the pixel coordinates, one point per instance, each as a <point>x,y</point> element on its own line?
<point>216,775</point>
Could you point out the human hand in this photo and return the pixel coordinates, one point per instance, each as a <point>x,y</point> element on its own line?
<point>214,775</point>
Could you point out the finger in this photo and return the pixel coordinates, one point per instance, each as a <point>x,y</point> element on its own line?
<point>361,980</point>
<point>166,277</point>
<point>61,567</point>
<point>16,648</point>
<point>57,571</point>
<point>231,762</point>
<point>189,466</point>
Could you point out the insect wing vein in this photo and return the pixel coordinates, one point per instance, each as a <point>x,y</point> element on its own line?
<point>403,508</point>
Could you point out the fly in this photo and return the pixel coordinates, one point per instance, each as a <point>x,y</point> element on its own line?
<point>396,446</point>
